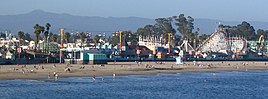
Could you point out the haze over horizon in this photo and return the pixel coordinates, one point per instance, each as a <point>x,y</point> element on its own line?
<point>227,10</point>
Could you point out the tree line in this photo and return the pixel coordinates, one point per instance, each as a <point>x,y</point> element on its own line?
<point>163,26</point>
<point>184,30</point>
<point>187,31</point>
<point>244,29</point>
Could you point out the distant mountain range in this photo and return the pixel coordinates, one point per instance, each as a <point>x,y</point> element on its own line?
<point>95,24</point>
<point>25,22</point>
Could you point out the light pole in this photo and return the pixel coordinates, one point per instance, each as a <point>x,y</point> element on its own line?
<point>169,36</point>
<point>120,40</point>
<point>62,35</point>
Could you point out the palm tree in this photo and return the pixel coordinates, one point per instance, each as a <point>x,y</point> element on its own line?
<point>48,26</point>
<point>20,35</point>
<point>47,31</point>
<point>50,37</point>
<point>46,39</point>
<point>47,35</point>
<point>43,38</point>
<point>42,32</point>
<point>37,31</point>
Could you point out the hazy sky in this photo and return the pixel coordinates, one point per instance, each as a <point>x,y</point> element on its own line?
<point>228,10</point>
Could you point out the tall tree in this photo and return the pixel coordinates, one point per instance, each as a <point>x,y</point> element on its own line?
<point>48,26</point>
<point>20,35</point>
<point>260,32</point>
<point>42,32</point>
<point>46,35</point>
<point>244,29</point>
<point>164,26</point>
<point>43,38</point>
<point>185,25</point>
<point>50,36</point>
<point>147,30</point>
<point>37,31</point>
<point>47,31</point>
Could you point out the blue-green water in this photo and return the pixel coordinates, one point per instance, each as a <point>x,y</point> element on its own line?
<point>189,85</point>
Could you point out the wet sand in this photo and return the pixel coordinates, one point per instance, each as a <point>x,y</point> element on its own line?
<point>8,72</point>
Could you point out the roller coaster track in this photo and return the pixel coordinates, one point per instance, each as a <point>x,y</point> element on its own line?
<point>234,44</point>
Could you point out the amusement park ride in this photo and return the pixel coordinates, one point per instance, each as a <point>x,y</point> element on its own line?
<point>261,45</point>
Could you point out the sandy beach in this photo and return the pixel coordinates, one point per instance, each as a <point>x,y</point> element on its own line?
<point>43,71</point>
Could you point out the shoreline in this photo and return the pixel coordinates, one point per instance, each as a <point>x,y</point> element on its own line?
<point>36,72</point>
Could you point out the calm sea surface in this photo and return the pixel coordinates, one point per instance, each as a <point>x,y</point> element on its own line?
<point>189,85</point>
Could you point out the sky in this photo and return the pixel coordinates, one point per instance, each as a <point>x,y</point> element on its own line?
<point>227,10</point>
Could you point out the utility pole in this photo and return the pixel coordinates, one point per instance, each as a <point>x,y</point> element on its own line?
<point>120,39</point>
<point>169,40</point>
<point>62,36</point>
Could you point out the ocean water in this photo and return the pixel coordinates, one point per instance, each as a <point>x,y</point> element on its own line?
<point>188,85</point>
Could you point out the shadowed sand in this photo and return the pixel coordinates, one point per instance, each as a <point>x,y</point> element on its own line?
<point>120,68</point>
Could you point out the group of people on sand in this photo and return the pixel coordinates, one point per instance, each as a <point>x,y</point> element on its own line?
<point>199,64</point>
<point>147,66</point>
<point>67,69</point>
<point>138,63</point>
<point>39,66</point>
<point>24,68</point>
<point>55,74</point>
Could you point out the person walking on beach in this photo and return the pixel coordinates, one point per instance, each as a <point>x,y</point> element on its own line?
<point>137,62</point>
<point>54,66</point>
<point>114,76</point>
<point>56,76</point>
<point>54,73</point>
<point>23,71</point>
